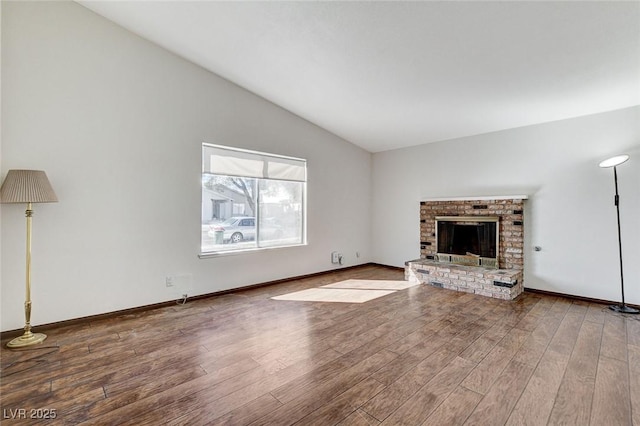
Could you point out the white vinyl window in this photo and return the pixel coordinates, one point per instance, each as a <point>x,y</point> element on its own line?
<point>251,200</point>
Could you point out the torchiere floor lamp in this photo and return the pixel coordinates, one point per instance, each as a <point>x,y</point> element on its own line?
<point>614,162</point>
<point>27,186</point>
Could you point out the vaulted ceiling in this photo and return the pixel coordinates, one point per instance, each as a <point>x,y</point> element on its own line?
<point>387,75</point>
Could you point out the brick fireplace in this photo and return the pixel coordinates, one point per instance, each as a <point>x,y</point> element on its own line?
<point>503,282</point>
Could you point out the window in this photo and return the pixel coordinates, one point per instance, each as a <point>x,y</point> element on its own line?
<point>251,200</point>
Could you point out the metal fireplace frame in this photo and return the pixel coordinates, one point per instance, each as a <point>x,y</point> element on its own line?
<point>470,260</point>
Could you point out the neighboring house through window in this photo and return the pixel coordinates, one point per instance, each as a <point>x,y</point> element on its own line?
<point>251,200</point>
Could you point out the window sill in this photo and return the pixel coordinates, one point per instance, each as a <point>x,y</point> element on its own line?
<point>211,254</point>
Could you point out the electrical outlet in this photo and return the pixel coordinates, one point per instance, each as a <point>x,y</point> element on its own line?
<point>335,257</point>
<point>179,284</point>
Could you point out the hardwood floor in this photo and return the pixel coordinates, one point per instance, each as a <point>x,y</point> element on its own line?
<point>424,355</point>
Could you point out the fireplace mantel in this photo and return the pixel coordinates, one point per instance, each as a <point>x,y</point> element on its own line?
<point>478,198</point>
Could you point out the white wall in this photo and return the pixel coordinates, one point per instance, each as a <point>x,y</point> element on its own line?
<point>117,123</point>
<point>570,213</point>
<point>1,127</point>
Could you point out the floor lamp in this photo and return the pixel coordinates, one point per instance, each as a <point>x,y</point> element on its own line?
<point>614,162</point>
<point>27,186</point>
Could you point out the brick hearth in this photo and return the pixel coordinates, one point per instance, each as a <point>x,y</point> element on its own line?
<point>504,284</point>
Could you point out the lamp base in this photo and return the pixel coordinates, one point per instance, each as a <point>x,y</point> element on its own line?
<point>27,339</point>
<point>624,309</point>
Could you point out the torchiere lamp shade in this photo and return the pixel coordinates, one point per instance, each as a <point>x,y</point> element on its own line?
<point>614,161</point>
<point>27,186</point>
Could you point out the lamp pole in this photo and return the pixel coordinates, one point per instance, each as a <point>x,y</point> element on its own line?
<point>617,203</point>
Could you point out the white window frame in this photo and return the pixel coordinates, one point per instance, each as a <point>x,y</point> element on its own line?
<point>273,167</point>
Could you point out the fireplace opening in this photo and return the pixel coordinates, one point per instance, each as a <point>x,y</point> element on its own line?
<point>468,240</point>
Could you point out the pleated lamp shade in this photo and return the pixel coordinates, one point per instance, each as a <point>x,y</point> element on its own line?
<point>27,186</point>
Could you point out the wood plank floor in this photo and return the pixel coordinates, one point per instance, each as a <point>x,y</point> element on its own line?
<point>423,355</point>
